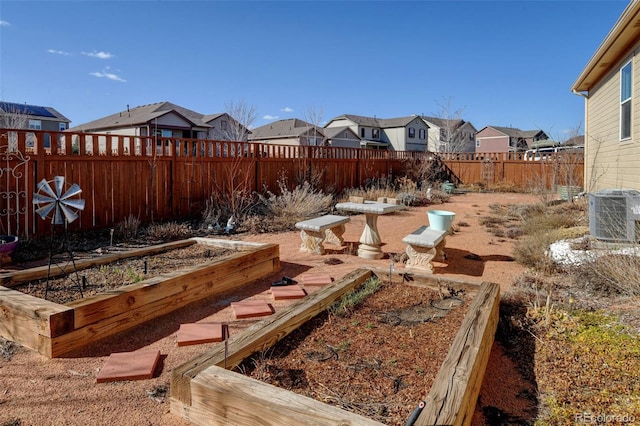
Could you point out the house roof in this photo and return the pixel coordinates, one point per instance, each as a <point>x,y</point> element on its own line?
<point>142,115</point>
<point>288,128</point>
<point>513,132</point>
<point>377,122</point>
<point>332,132</point>
<point>575,140</point>
<point>207,118</point>
<point>443,122</point>
<point>32,111</point>
<point>624,34</point>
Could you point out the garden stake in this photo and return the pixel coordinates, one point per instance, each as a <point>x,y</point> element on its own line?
<point>145,266</point>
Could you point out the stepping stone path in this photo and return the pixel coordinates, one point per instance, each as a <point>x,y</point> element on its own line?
<point>288,292</point>
<point>136,365</point>
<point>194,334</point>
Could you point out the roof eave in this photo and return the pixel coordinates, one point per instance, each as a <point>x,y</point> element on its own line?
<point>616,44</point>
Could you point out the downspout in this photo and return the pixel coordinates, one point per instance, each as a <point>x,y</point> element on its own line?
<point>587,183</point>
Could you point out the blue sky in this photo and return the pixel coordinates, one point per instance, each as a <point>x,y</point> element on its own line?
<point>503,63</point>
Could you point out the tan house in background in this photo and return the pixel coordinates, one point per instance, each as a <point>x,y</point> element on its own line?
<point>167,120</point>
<point>610,85</point>
<point>291,131</point>
<point>507,139</point>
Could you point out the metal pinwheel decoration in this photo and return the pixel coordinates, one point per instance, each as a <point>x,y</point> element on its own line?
<point>52,198</point>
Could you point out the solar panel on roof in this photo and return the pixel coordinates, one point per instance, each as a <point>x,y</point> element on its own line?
<point>26,109</point>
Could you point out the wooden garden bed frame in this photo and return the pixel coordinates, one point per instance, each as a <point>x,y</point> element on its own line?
<point>205,392</point>
<point>55,329</point>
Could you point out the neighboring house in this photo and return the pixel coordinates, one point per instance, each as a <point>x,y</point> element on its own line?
<point>400,134</point>
<point>341,137</point>
<point>23,116</point>
<point>291,131</point>
<point>574,141</point>
<point>450,135</point>
<point>609,84</point>
<point>166,120</point>
<point>507,139</point>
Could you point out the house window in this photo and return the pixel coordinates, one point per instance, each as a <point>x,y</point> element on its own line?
<point>362,132</point>
<point>412,132</point>
<point>35,124</point>
<point>625,102</point>
<point>223,124</point>
<point>421,134</point>
<point>375,133</point>
<point>62,126</point>
<point>166,133</point>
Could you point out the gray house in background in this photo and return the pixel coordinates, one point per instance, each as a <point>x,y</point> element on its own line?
<point>341,137</point>
<point>167,120</point>
<point>450,135</point>
<point>400,134</point>
<point>291,131</point>
<point>23,116</point>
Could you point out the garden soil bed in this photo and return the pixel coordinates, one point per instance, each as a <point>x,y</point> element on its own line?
<point>100,278</point>
<point>35,390</point>
<point>377,359</point>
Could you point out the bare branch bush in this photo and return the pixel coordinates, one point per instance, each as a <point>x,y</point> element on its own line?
<point>611,274</point>
<point>242,116</point>
<point>450,119</point>
<point>127,229</point>
<point>283,210</point>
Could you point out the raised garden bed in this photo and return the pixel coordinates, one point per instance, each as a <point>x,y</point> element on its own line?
<point>203,391</point>
<point>56,330</point>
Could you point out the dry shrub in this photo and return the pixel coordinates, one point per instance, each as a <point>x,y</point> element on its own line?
<point>281,212</point>
<point>505,186</point>
<point>610,274</point>
<point>169,231</point>
<point>372,193</point>
<point>541,228</point>
<point>211,213</point>
<point>128,228</point>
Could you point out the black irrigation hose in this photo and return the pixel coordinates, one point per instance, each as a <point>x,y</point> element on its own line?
<point>416,413</point>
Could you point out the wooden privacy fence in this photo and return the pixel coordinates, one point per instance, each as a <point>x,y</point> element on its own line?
<point>516,169</point>
<point>154,178</point>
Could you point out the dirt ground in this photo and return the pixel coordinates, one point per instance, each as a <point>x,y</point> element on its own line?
<point>37,391</point>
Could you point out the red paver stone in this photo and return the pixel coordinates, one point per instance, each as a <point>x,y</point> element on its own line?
<point>288,292</point>
<point>316,279</point>
<point>136,365</point>
<point>194,334</point>
<point>251,308</point>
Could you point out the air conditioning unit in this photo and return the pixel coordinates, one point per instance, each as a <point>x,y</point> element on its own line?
<point>614,215</point>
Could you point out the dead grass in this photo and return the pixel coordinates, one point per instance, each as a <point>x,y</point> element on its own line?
<point>572,331</point>
<point>280,212</point>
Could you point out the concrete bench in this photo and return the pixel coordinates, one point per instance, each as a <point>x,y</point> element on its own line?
<point>314,232</point>
<point>424,245</point>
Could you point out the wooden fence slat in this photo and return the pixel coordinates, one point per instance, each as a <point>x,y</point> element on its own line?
<point>115,172</point>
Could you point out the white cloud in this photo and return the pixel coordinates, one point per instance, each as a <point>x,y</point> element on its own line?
<point>99,55</point>
<point>287,109</point>
<point>4,23</point>
<point>270,117</point>
<point>59,52</point>
<point>108,75</point>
